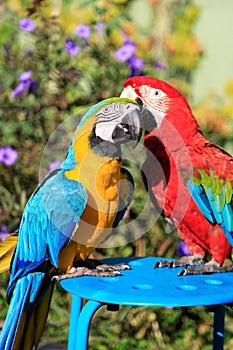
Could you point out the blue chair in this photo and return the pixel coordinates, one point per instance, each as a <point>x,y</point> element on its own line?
<point>145,286</point>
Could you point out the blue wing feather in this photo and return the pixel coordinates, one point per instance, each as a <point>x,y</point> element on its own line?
<point>227,215</point>
<point>24,295</point>
<point>48,222</point>
<point>217,206</point>
<point>201,200</point>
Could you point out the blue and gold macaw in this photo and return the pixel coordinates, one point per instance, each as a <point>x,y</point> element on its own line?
<point>71,212</point>
<point>213,194</point>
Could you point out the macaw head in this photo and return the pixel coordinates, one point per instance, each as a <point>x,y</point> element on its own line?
<point>104,128</point>
<point>162,100</point>
<point>118,120</point>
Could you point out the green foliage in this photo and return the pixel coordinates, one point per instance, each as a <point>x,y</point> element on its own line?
<point>62,85</point>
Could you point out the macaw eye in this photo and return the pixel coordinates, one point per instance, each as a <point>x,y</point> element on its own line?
<point>156,93</point>
<point>106,109</point>
<point>153,94</point>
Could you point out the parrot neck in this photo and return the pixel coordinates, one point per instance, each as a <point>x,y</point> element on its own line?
<point>86,145</point>
<point>93,170</point>
<point>85,142</point>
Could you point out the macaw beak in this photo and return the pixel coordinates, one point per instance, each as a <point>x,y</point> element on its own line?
<point>129,128</point>
<point>148,116</point>
<point>148,119</point>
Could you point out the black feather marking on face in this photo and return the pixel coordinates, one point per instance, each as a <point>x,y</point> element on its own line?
<point>104,148</point>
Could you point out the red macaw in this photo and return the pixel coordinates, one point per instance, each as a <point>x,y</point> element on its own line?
<point>175,145</point>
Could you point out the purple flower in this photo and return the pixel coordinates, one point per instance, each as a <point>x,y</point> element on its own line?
<point>20,88</point>
<point>182,248</point>
<point>7,48</point>
<point>27,25</point>
<point>128,42</point>
<point>25,75</point>
<point>24,83</point>
<point>71,47</point>
<point>83,31</point>
<point>125,52</point>
<point>3,232</point>
<point>54,165</point>
<point>160,65</point>
<point>136,63</point>
<point>8,155</point>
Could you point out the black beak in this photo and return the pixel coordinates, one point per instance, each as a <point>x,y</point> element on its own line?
<point>129,128</point>
<point>148,120</point>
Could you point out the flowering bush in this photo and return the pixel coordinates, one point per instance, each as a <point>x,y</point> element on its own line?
<point>54,62</point>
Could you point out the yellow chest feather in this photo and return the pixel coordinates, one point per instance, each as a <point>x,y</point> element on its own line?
<point>101,177</point>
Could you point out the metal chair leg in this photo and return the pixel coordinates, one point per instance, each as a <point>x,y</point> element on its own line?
<point>219,317</point>
<point>76,305</point>
<point>83,325</point>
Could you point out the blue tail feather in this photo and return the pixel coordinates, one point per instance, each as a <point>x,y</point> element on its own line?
<point>25,292</point>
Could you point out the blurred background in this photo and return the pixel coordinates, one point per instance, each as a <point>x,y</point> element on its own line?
<point>59,57</point>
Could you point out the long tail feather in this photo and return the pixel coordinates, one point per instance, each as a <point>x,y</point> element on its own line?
<point>27,313</point>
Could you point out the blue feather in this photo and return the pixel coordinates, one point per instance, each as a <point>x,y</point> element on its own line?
<point>201,200</point>
<point>215,200</point>
<point>227,214</point>
<point>56,195</point>
<point>22,296</point>
<point>228,234</point>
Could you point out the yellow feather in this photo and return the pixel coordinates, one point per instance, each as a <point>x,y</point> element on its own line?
<point>7,247</point>
<point>101,176</point>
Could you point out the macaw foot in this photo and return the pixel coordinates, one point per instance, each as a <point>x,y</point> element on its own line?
<point>206,269</point>
<point>91,267</point>
<point>190,260</point>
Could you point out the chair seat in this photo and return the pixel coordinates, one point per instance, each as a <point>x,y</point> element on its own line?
<point>145,286</point>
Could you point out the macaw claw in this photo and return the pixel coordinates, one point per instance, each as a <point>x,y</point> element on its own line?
<point>93,268</point>
<point>85,271</point>
<point>206,269</point>
<point>106,267</point>
<point>190,260</point>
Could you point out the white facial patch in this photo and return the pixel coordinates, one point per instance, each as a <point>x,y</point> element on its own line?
<point>105,131</point>
<point>129,92</point>
<point>155,100</point>
<point>109,116</point>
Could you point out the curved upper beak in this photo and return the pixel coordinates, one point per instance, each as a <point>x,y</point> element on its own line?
<point>129,127</point>
<point>148,121</point>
